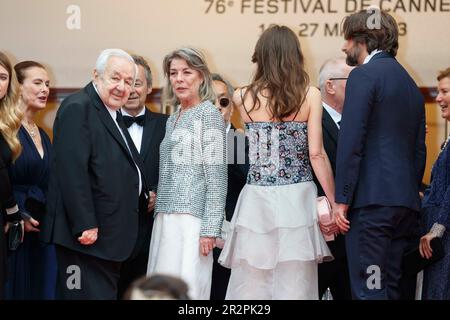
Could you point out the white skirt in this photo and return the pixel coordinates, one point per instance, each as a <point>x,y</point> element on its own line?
<point>275,243</point>
<point>175,251</point>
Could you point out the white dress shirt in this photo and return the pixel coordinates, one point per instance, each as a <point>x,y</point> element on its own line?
<point>336,116</point>
<point>370,56</point>
<point>135,130</point>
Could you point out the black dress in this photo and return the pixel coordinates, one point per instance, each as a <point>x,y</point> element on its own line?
<point>32,267</point>
<point>6,201</point>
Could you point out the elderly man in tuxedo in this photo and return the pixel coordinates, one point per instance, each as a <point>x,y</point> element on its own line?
<point>332,82</point>
<point>97,183</point>
<point>237,159</point>
<point>147,130</point>
<point>380,156</point>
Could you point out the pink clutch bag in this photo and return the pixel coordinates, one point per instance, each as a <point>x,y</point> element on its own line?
<point>325,215</point>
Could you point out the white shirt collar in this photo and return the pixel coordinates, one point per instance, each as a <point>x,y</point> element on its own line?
<point>336,116</point>
<point>228,127</point>
<point>371,55</point>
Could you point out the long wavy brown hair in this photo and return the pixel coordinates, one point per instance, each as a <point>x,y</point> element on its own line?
<point>280,72</point>
<point>10,115</point>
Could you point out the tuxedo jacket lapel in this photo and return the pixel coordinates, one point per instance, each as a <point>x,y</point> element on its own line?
<point>330,126</point>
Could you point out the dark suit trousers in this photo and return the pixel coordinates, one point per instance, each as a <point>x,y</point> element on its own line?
<point>136,265</point>
<point>334,274</point>
<point>98,277</point>
<point>377,239</point>
<point>220,278</point>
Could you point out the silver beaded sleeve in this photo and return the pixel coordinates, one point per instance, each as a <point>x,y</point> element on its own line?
<point>437,230</point>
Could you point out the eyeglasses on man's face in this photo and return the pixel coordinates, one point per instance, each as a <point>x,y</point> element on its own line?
<point>338,78</point>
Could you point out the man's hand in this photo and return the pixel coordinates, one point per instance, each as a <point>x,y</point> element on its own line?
<point>151,201</point>
<point>206,245</point>
<point>88,237</point>
<point>340,213</point>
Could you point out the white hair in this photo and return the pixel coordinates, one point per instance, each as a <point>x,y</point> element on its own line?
<point>332,68</point>
<point>104,56</point>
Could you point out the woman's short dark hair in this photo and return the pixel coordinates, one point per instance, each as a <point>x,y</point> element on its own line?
<point>23,66</point>
<point>382,35</point>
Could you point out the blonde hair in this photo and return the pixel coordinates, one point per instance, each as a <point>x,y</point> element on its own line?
<point>10,115</point>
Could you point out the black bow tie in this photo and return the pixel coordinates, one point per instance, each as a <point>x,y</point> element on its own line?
<point>130,120</point>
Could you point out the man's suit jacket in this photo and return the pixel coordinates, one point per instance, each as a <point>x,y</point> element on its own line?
<point>330,134</point>
<point>237,169</point>
<point>381,149</point>
<point>152,135</point>
<point>94,181</point>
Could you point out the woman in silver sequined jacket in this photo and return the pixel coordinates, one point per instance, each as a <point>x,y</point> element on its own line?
<point>192,185</point>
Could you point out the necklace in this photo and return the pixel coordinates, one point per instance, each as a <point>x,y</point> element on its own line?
<point>31,130</point>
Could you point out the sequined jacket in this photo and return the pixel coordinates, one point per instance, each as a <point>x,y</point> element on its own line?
<point>193,170</point>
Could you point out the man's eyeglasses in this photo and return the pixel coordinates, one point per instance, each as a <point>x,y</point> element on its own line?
<point>338,79</point>
<point>224,102</point>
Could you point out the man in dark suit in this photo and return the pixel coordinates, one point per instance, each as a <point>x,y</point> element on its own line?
<point>96,184</point>
<point>332,82</point>
<point>147,130</point>
<point>380,156</point>
<point>237,159</point>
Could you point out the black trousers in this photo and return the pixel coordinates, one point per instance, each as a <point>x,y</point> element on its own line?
<point>84,277</point>
<point>136,266</point>
<point>334,274</point>
<point>220,278</point>
<point>376,242</point>
<point>133,268</point>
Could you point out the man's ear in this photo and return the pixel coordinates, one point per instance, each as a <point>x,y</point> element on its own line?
<point>95,75</point>
<point>149,90</point>
<point>329,87</point>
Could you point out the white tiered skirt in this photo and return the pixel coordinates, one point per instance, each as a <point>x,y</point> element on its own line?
<point>275,243</point>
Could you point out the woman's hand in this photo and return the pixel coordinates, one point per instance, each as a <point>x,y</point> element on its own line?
<point>206,245</point>
<point>329,229</point>
<point>425,245</point>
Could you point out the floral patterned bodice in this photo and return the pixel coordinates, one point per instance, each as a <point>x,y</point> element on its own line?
<point>278,153</point>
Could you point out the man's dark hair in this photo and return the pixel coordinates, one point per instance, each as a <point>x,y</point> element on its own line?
<point>383,35</point>
<point>140,61</point>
